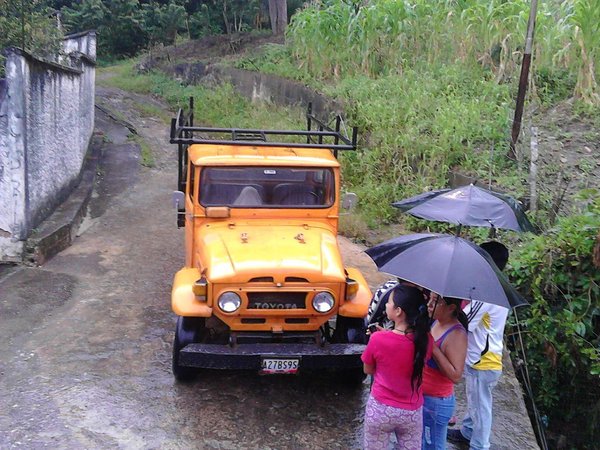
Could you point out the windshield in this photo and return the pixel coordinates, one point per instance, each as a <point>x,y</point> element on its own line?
<point>267,187</point>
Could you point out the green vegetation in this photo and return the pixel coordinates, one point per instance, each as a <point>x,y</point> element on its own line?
<point>29,25</point>
<point>220,106</point>
<point>145,150</point>
<point>276,59</point>
<point>129,26</point>
<point>586,18</point>
<point>432,84</point>
<point>387,36</point>
<point>561,327</point>
<point>126,27</point>
<point>420,126</point>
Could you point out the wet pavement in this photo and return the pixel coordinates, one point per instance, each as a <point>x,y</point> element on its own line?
<point>85,349</point>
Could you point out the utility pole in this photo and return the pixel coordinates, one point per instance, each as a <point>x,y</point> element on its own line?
<point>516,127</point>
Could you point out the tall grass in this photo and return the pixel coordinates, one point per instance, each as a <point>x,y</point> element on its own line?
<point>586,17</point>
<point>418,127</point>
<point>387,36</point>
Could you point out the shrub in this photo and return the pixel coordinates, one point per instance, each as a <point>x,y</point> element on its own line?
<point>562,325</point>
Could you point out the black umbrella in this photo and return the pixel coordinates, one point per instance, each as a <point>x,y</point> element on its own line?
<point>448,265</point>
<point>468,205</point>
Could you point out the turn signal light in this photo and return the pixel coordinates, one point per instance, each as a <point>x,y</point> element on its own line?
<point>351,288</point>
<point>200,289</point>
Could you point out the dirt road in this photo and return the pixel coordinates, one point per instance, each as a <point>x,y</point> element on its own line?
<point>86,339</point>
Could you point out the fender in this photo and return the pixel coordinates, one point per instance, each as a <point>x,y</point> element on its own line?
<point>359,305</point>
<point>183,300</point>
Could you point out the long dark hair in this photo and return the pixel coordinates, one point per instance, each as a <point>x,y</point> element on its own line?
<point>411,301</point>
<point>458,312</point>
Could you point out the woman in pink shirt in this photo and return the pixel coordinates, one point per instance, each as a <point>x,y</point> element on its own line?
<point>396,358</point>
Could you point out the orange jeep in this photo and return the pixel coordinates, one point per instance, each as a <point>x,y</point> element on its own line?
<point>264,286</point>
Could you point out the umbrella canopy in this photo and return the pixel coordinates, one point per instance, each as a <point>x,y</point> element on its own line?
<point>448,265</point>
<point>468,205</point>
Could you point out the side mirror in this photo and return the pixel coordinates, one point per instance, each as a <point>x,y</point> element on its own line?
<point>178,200</point>
<point>179,204</point>
<point>349,200</point>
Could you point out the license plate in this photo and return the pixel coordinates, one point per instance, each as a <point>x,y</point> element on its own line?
<point>279,365</point>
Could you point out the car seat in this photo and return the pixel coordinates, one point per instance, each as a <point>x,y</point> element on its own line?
<point>248,197</point>
<point>294,194</point>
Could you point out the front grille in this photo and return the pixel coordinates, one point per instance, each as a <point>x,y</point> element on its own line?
<point>276,300</point>
<point>261,280</point>
<point>296,320</point>
<point>253,321</point>
<point>295,280</point>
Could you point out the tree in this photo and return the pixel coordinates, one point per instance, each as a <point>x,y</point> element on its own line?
<point>278,15</point>
<point>205,21</point>
<point>173,20</point>
<point>119,24</point>
<point>31,25</point>
<point>163,22</point>
<point>87,15</point>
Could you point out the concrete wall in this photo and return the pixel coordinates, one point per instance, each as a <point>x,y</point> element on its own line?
<point>82,43</point>
<point>278,90</point>
<point>257,86</point>
<point>46,122</point>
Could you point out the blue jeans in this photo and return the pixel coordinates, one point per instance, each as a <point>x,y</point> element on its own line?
<point>437,411</point>
<point>477,424</point>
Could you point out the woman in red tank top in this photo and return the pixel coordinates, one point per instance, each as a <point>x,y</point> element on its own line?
<point>444,368</point>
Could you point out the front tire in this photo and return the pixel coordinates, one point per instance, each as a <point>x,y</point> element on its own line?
<point>353,377</point>
<point>188,331</point>
<point>350,330</point>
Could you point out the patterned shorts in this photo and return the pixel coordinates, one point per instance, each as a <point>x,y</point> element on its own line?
<point>383,420</point>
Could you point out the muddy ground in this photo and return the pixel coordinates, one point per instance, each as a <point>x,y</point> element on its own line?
<point>85,339</point>
<point>569,147</point>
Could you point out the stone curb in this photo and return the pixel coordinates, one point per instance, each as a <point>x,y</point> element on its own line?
<point>58,231</point>
<point>109,113</point>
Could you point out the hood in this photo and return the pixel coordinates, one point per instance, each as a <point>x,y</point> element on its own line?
<point>241,252</point>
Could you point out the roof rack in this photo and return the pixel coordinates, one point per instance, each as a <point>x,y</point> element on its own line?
<point>183,129</point>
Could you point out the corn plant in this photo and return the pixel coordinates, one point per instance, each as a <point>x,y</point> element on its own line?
<point>384,37</point>
<point>586,18</point>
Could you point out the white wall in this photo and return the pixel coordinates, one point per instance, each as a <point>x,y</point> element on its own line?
<point>46,122</point>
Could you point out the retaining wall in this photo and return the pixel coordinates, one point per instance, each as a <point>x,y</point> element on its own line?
<point>46,122</point>
<point>258,86</point>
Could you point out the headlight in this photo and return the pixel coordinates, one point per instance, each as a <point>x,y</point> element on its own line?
<point>323,302</point>
<point>229,302</point>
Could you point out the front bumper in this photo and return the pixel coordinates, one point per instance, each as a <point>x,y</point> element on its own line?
<point>249,356</point>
